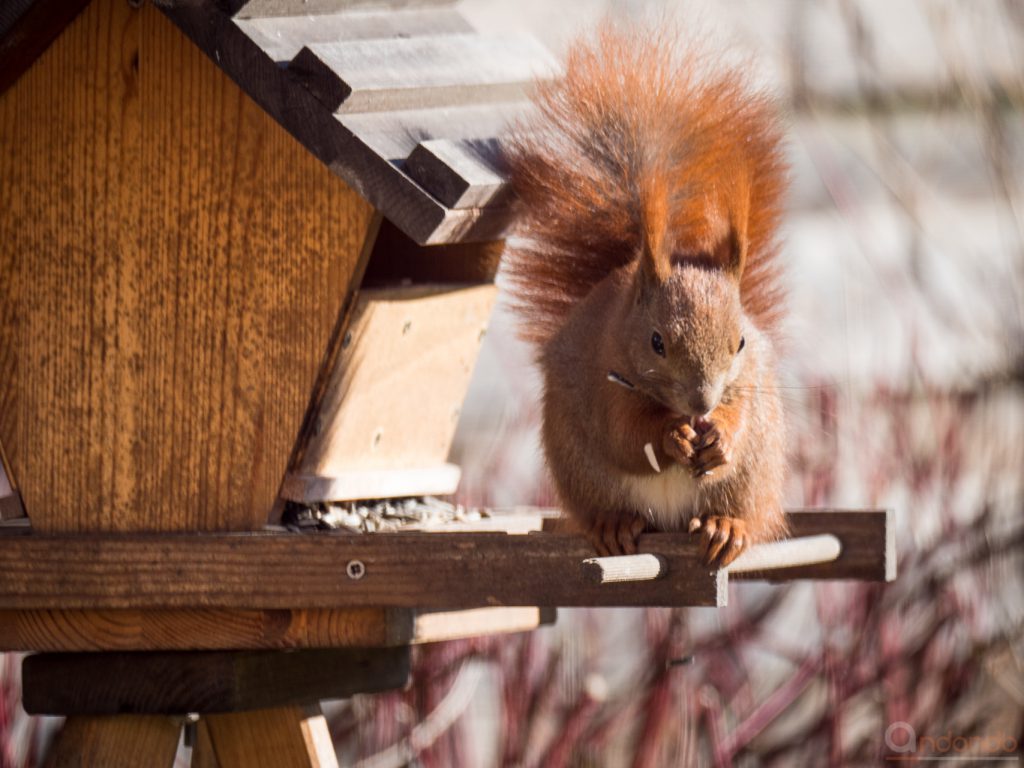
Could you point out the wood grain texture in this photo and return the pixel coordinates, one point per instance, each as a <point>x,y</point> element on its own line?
<point>204,681</point>
<point>461,174</point>
<point>288,737</point>
<point>183,630</point>
<point>124,741</point>
<point>169,630</point>
<point>270,571</point>
<point>416,72</point>
<point>394,398</point>
<point>171,278</point>
<point>282,37</point>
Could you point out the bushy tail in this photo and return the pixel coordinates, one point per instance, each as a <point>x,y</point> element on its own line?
<point>616,161</point>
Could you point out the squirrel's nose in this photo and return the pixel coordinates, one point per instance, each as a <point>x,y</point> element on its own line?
<point>700,404</point>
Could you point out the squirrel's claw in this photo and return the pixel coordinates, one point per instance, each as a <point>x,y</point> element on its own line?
<point>723,539</point>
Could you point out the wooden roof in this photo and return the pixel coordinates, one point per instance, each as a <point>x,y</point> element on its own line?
<point>400,98</point>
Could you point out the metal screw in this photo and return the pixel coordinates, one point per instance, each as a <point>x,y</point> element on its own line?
<point>355,569</point>
<point>347,341</point>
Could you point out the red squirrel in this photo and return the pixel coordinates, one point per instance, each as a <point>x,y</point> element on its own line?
<point>649,183</point>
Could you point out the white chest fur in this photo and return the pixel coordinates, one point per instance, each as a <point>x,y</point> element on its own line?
<point>668,498</point>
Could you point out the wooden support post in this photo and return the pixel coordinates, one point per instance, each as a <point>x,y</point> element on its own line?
<point>287,737</point>
<point>126,741</point>
<point>204,682</point>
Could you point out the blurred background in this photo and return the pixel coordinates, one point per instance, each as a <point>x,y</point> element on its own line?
<point>904,374</point>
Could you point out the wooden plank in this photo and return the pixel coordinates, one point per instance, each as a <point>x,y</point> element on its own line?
<point>204,629</point>
<point>268,571</point>
<point>116,742</point>
<point>282,37</point>
<point>345,485</point>
<point>383,183</point>
<point>461,174</point>
<point>437,626</point>
<point>170,280</point>
<point>204,681</point>
<point>201,630</point>
<point>394,397</point>
<point>258,8</point>
<point>417,72</point>
<point>288,737</point>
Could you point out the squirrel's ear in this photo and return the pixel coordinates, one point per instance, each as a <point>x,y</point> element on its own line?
<point>733,250</point>
<point>655,263</point>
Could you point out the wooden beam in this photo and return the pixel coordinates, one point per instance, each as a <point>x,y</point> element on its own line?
<point>267,571</point>
<point>116,742</point>
<point>223,629</point>
<point>205,629</point>
<point>287,737</point>
<point>461,174</point>
<point>204,681</point>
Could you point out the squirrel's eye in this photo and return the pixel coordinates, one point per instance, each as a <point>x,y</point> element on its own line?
<point>743,343</point>
<point>657,344</point>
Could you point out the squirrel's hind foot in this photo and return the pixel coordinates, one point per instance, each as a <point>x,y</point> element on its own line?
<point>723,539</point>
<point>615,533</point>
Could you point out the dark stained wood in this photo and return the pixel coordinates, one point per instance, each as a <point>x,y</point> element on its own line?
<point>171,278</point>
<point>417,72</point>
<point>397,260</point>
<point>867,537</point>
<point>461,174</point>
<point>204,681</point>
<point>282,37</point>
<point>31,34</point>
<point>268,571</point>
<point>116,742</point>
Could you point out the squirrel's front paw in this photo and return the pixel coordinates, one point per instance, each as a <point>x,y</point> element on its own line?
<point>711,450</point>
<point>723,539</point>
<point>679,441</point>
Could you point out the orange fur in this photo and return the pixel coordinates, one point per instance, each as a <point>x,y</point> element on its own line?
<point>624,151</point>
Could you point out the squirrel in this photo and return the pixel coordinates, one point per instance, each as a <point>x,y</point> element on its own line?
<point>649,183</point>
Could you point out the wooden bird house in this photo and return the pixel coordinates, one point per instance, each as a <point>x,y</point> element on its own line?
<point>247,251</point>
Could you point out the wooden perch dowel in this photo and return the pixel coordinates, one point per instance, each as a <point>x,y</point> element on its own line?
<point>607,570</point>
<point>808,550</point>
